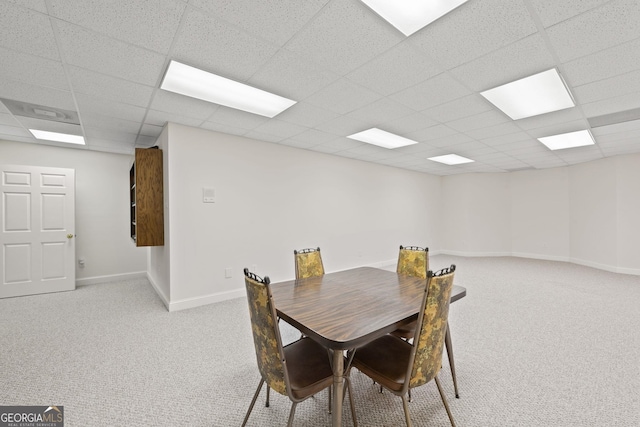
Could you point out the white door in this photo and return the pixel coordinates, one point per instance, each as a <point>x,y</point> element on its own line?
<point>37,238</point>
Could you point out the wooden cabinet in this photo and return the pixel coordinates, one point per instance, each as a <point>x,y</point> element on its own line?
<point>147,210</point>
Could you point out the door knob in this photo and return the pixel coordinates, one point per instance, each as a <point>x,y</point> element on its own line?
<point>69,236</point>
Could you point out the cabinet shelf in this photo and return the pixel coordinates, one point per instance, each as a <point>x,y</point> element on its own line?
<point>146,198</point>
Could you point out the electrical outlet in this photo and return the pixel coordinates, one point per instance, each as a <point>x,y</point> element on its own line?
<point>228,272</point>
<point>254,268</point>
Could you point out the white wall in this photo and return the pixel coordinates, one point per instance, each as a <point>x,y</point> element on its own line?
<point>586,213</point>
<point>272,199</point>
<point>540,213</point>
<point>102,206</point>
<point>628,213</point>
<point>159,271</point>
<point>476,214</point>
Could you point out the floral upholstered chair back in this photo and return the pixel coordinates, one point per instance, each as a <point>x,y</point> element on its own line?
<point>266,336</point>
<point>413,261</point>
<point>430,334</point>
<point>308,263</point>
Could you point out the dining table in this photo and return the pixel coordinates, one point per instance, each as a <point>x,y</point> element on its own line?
<point>347,309</point>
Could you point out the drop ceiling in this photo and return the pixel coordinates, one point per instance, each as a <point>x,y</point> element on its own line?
<point>347,68</point>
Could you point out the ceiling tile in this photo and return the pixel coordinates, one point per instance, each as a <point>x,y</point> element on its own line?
<point>151,25</point>
<point>609,25</point>
<point>612,105</point>
<point>597,66</point>
<point>556,117</point>
<point>458,108</point>
<point>160,118</point>
<point>553,11</point>
<point>558,128</point>
<point>103,86</point>
<point>104,122</point>
<point>33,94</point>
<point>275,21</point>
<point>170,102</point>
<point>474,29</point>
<point>619,128</point>
<point>111,135</point>
<point>431,133</point>
<point>340,144</point>
<point>342,96</point>
<point>237,118</point>
<point>491,131</point>
<point>449,140</point>
<point>27,31</point>
<point>435,91</point>
<point>407,124</point>
<point>518,60</point>
<point>292,76</point>
<point>38,5</point>
<point>261,136</point>
<point>144,141</point>
<point>216,46</point>
<point>381,110</point>
<point>497,141</point>
<point>32,69</point>
<point>326,148</point>
<point>312,137</point>
<point>478,121</point>
<point>279,128</point>
<point>14,131</point>
<point>223,128</point>
<point>579,154</point>
<point>109,56</point>
<point>91,105</point>
<point>342,126</point>
<point>607,88</point>
<point>395,70</point>
<point>8,119</point>
<point>151,130</point>
<point>344,35</point>
<point>306,115</point>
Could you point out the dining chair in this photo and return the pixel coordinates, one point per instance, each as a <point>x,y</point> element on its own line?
<point>308,263</point>
<point>298,370</point>
<point>398,365</point>
<point>414,261</point>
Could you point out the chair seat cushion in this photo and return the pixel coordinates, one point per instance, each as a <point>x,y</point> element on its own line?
<point>385,360</point>
<point>407,331</point>
<point>308,367</point>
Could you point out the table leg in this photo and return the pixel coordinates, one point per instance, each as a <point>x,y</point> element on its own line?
<point>338,388</point>
<point>449,346</point>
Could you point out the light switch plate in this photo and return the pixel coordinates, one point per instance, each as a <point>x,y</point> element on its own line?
<point>208,195</point>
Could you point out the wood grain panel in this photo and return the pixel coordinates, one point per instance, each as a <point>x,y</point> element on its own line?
<point>347,309</point>
<point>149,215</point>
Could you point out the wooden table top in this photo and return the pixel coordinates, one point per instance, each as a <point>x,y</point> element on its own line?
<point>347,309</point>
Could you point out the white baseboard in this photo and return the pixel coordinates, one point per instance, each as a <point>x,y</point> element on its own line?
<point>469,254</point>
<point>110,278</point>
<point>163,297</point>
<point>599,266</point>
<point>605,267</point>
<point>206,299</point>
<point>542,257</point>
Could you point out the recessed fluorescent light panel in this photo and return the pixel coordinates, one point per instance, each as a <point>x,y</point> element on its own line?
<point>538,94</point>
<point>568,140</point>
<point>451,159</point>
<point>409,16</point>
<point>382,138</point>
<point>196,83</point>
<point>59,137</point>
